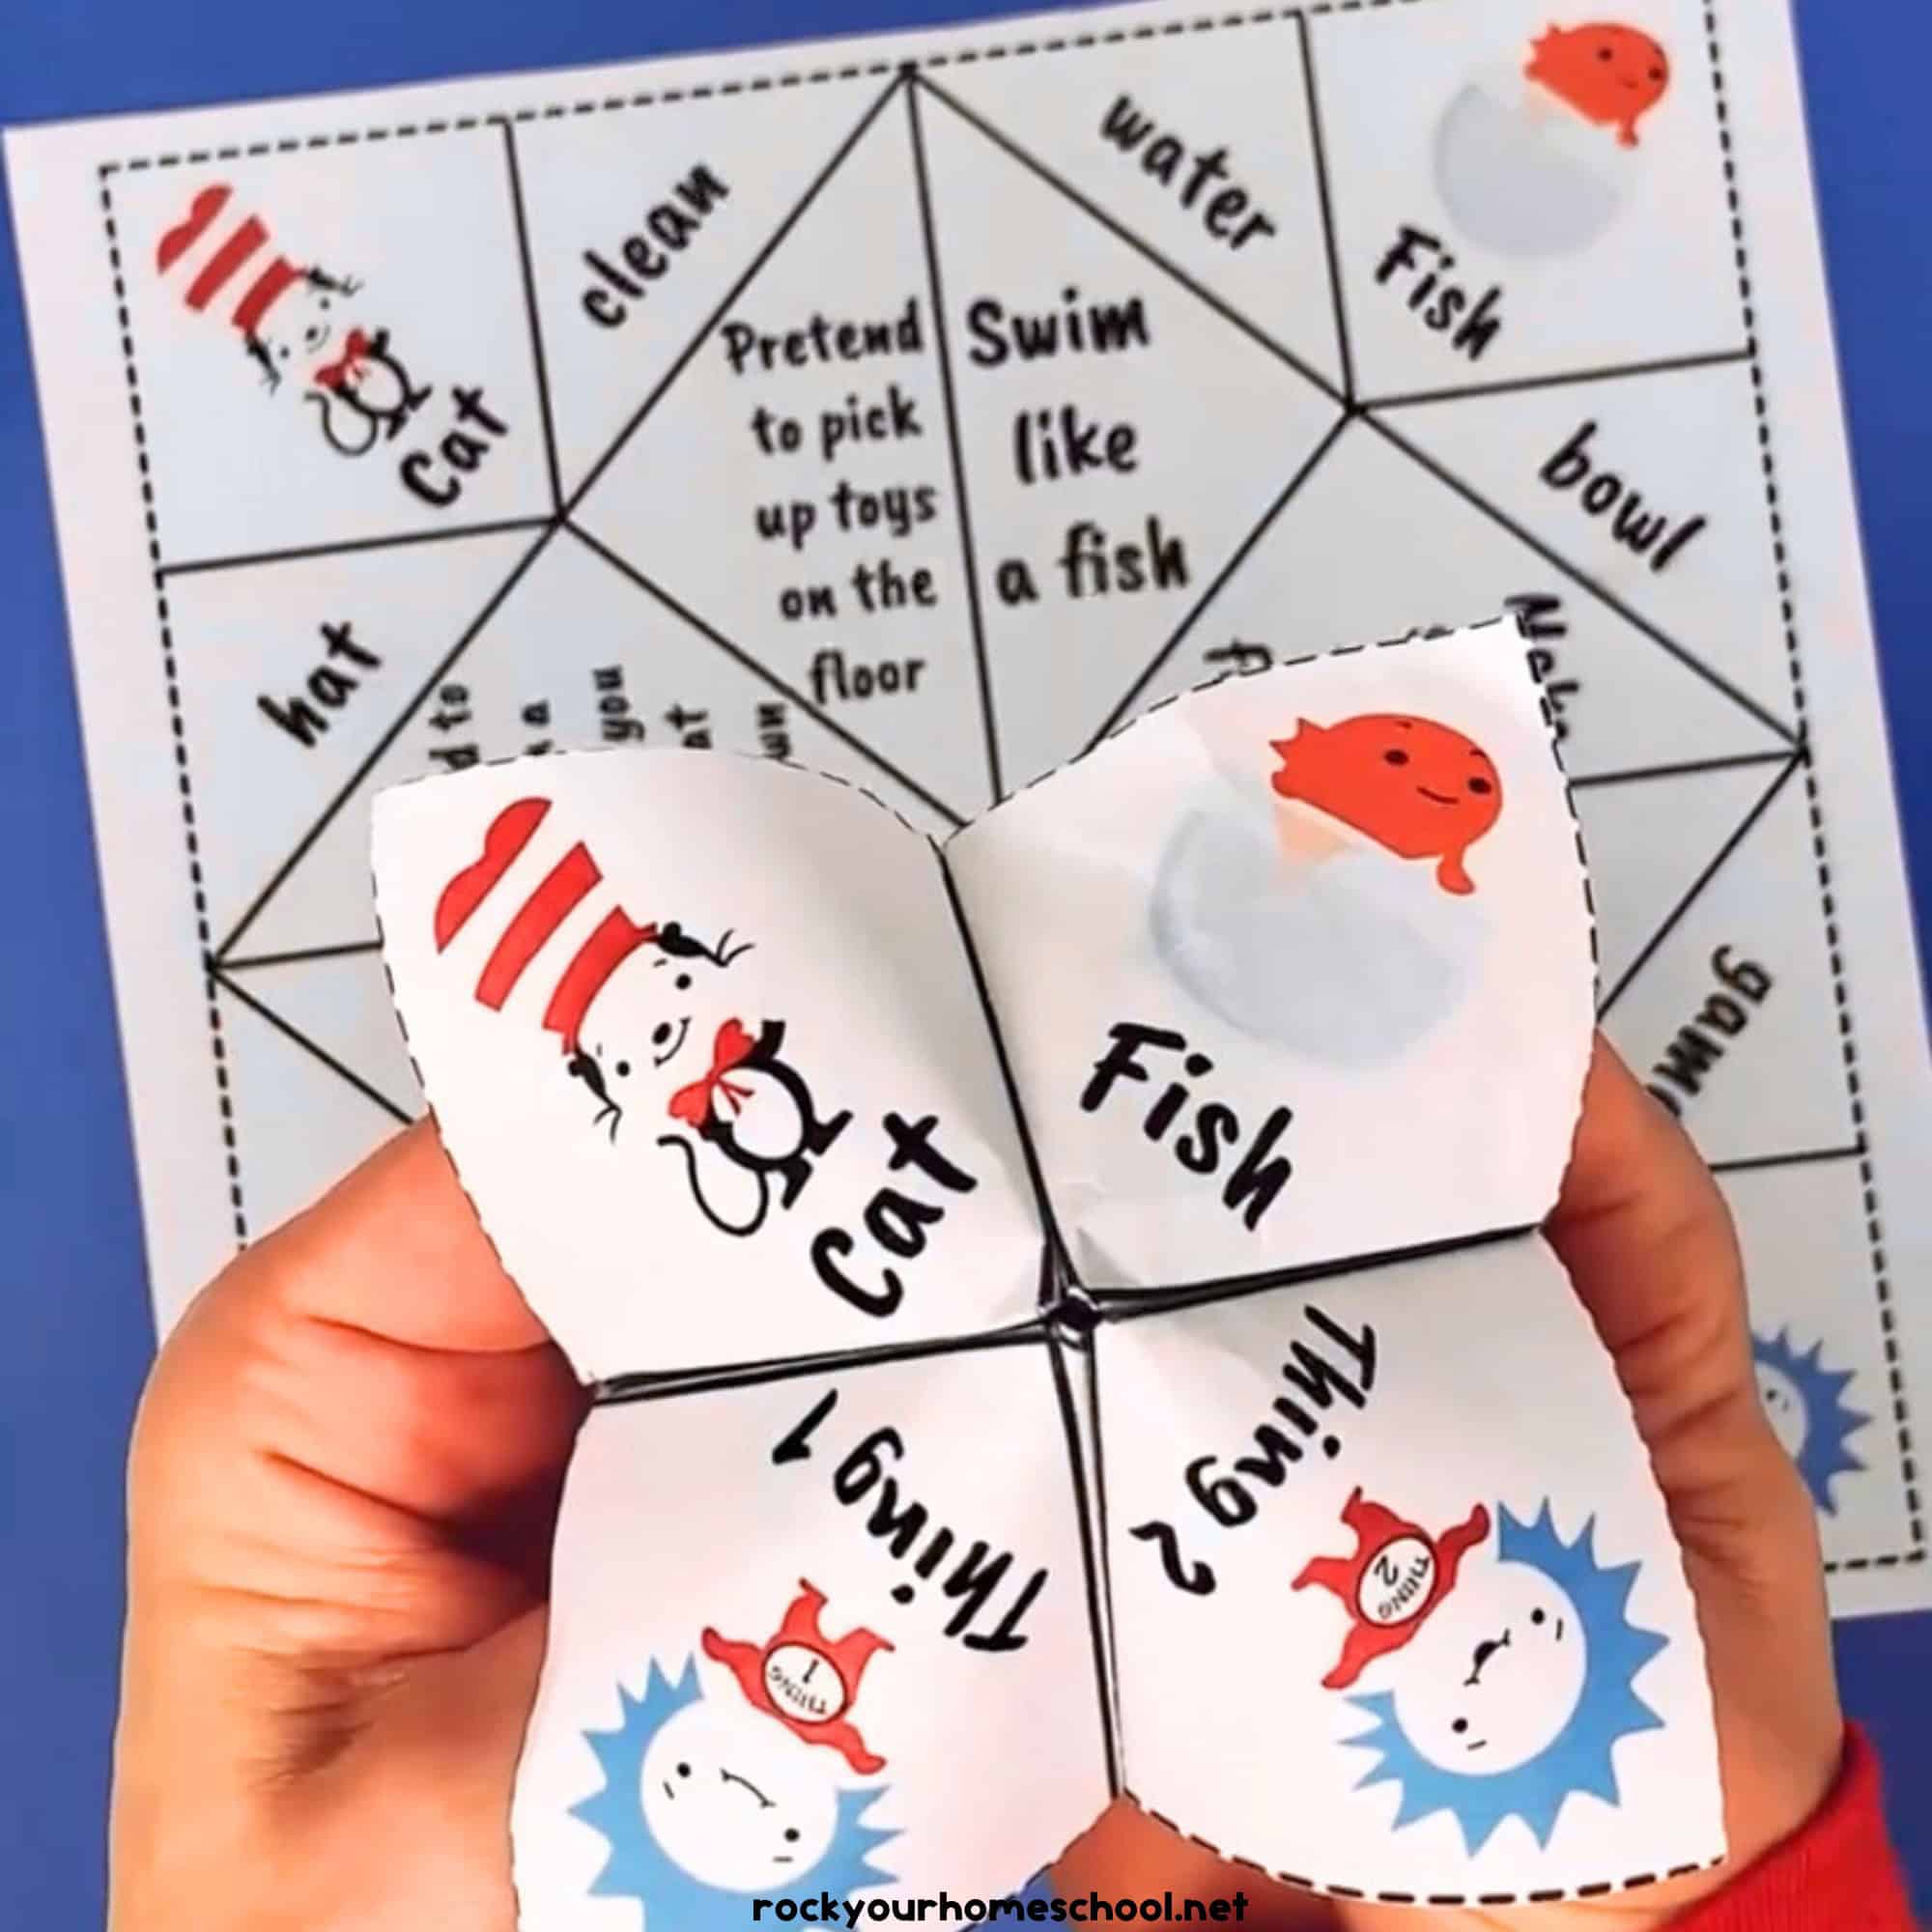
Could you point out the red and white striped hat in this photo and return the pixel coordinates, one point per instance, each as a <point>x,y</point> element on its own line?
<point>223,253</point>
<point>534,922</point>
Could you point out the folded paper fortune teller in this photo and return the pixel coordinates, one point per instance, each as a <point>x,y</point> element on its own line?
<point>1066,1308</point>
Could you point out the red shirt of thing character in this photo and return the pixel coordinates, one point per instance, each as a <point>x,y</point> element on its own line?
<point>1609,75</point>
<point>1418,788</point>
<point>1397,1577</point>
<point>803,1678</point>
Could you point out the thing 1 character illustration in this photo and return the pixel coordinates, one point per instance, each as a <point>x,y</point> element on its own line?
<point>1504,1674</point>
<point>1805,1403</point>
<point>1420,790</point>
<point>642,1010</point>
<point>1610,75</point>
<point>805,1678</point>
<point>288,318</point>
<point>707,1801</point>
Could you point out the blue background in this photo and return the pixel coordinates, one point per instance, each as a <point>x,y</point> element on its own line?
<point>76,1329</point>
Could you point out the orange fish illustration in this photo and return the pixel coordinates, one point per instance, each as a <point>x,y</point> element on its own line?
<point>1418,788</point>
<point>1609,75</point>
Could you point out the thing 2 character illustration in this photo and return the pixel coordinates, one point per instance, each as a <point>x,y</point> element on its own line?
<point>1805,1403</point>
<point>707,1800</point>
<point>1612,75</point>
<point>1416,788</point>
<point>288,319</point>
<point>1509,1671</point>
<point>642,1006</point>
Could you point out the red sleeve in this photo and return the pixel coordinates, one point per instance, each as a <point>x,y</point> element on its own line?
<point>1838,1874</point>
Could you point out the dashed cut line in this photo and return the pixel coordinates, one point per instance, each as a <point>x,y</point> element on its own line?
<point>183,782</point>
<point>1827,899</point>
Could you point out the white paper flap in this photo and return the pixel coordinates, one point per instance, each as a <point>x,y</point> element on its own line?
<point>701,1040</point>
<point>1297,967</point>
<point>826,1634</point>
<point>1397,1603</point>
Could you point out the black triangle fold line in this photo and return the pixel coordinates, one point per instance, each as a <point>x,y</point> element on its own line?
<point>1220,579</point>
<point>963,504</point>
<point>1557,560</point>
<point>1690,768</point>
<point>1517,386</point>
<point>1146,249</point>
<point>1318,144</point>
<point>298,956</point>
<point>729,300</point>
<point>540,363</point>
<point>1698,886</point>
<point>291,1032</point>
<point>354,546</point>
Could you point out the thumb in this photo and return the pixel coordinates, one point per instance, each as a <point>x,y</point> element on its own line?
<point>1648,1240</point>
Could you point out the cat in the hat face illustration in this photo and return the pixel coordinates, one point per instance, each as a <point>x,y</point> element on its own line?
<point>365,394</point>
<point>288,319</point>
<point>647,1022</point>
<point>1505,1672</point>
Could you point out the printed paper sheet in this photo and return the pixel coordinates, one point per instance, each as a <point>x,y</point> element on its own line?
<point>919,408</point>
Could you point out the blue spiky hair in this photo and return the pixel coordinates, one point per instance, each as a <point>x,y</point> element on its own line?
<point>1579,1758</point>
<point>674,1900</point>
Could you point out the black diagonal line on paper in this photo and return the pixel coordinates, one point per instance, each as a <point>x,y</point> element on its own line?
<point>942,339</point>
<point>1098,1597</point>
<point>1219,581</point>
<point>308,1046</point>
<point>232,964</point>
<point>368,764</point>
<point>1810,1157</point>
<point>1691,768</point>
<point>761,671</point>
<point>1228,314</point>
<point>730,297</point>
<point>542,367</point>
<point>353,546</point>
<point>1615,371</point>
<point>1476,500</point>
<point>1319,141</point>
<point>1702,880</point>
